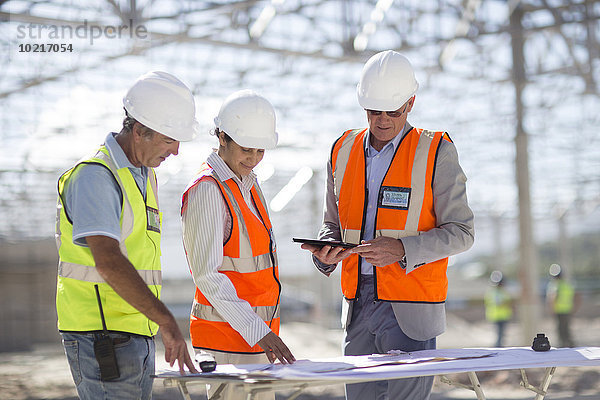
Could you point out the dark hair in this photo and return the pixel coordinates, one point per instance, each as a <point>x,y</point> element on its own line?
<point>225,136</point>
<point>128,122</point>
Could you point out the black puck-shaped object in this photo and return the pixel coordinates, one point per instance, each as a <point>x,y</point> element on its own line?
<point>206,362</point>
<point>541,343</point>
<point>208,366</point>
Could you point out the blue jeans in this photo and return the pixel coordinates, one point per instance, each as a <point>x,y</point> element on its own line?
<point>135,358</point>
<point>374,330</point>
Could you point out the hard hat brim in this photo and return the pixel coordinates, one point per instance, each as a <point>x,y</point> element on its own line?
<point>369,103</point>
<point>267,143</point>
<point>184,134</point>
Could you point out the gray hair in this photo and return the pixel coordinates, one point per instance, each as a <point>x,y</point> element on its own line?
<point>128,123</point>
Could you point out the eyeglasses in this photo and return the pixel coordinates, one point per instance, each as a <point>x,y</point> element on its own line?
<point>391,114</point>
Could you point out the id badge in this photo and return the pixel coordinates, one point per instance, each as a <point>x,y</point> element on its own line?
<point>153,219</point>
<point>397,198</point>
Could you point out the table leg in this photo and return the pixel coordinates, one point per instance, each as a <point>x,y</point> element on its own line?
<point>476,385</point>
<point>546,382</point>
<point>217,394</point>
<point>183,389</point>
<point>543,389</point>
<point>298,392</point>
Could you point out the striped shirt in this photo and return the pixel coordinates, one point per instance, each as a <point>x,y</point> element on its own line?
<point>206,224</point>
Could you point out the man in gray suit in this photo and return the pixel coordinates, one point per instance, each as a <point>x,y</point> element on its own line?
<point>399,193</point>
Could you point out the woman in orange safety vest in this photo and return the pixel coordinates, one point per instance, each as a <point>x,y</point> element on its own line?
<point>230,245</point>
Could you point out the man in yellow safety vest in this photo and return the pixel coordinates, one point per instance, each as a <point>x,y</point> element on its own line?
<point>562,301</point>
<point>498,305</point>
<point>108,233</point>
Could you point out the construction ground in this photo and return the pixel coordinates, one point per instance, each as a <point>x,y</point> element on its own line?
<point>43,373</point>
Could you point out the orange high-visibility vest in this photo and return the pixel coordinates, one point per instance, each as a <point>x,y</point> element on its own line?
<point>249,262</point>
<point>405,208</point>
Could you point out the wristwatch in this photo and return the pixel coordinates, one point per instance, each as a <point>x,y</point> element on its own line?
<point>403,262</point>
<point>403,259</point>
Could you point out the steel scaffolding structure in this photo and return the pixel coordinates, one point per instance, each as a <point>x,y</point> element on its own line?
<point>516,83</point>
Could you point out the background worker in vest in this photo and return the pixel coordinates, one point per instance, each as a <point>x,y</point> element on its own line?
<point>108,238</point>
<point>498,305</point>
<point>230,245</point>
<point>563,301</point>
<point>400,193</point>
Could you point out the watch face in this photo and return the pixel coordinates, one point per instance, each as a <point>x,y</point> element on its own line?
<point>403,261</point>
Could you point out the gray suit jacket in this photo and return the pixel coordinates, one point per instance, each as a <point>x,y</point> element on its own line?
<point>453,234</point>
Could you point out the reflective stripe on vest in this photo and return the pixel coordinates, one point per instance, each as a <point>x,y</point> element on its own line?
<point>210,314</point>
<point>244,265</point>
<point>88,273</point>
<point>405,208</point>
<point>140,222</point>
<point>249,262</point>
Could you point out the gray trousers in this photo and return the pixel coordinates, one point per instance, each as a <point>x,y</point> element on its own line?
<point>374,330</point>
<point>563,324</point>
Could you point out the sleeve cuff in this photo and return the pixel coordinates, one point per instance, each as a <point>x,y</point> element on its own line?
<point>80,238</point>
<point>406,262</point>
<point>326,269</point>
<point>256,331</point>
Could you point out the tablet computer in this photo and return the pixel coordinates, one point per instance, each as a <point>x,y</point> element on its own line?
<point>317,242</point>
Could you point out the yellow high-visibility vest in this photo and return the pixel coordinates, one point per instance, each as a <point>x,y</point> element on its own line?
<point>497,305</point>
<point>564,296</point>
<point>140,221</point>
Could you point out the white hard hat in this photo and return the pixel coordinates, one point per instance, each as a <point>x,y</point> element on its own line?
<point>555,270</point>
<point>163,103</point>
<point>496,277</point>
<point>387,82</point>
<point>249,119</point>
